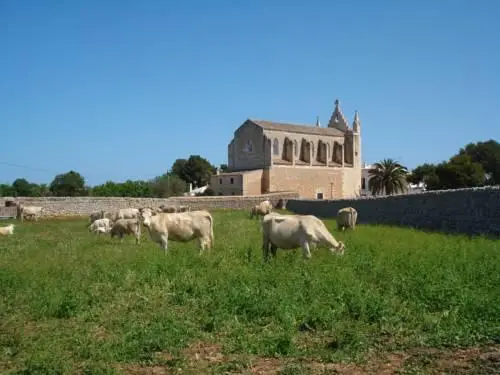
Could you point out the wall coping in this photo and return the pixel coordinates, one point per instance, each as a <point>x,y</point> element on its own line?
<point>404,196</point>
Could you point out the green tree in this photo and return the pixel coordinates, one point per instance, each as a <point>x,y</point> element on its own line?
<point>168,185</point>
<point>223,167</point>
<point>387,177</point>
<point>421,173</point>
<point>488,155</point>
<point>23,188</point>
<point>7,190</point>
<point>459,172</point>
<point>70,184</point>
<point>195,170</point>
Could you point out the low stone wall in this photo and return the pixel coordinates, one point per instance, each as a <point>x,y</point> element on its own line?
<point>470,211</point>
<point>82,206</point>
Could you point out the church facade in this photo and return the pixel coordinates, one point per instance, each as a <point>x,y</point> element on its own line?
<point>317,162</point>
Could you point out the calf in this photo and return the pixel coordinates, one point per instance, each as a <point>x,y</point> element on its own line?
<point>7,230</point>
<point>100,226</point>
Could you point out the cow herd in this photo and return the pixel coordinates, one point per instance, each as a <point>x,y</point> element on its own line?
<point>279,231</point>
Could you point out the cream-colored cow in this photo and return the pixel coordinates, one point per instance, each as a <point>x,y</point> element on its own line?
<point>294,231</point>
<point>180,226</point>
<point>261,209</point>
<point>33,212</point>
<point>346,218</point>
<point>7,230</point>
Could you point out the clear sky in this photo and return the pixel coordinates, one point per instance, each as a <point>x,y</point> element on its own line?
<point>118,89</point>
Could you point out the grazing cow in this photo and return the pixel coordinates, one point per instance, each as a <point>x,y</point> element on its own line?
<point>100,226</point>
<point>346,218</point>
<point>181,226</point>
<point>7,230</point>
<point>29,211</point>
<point>294,231</point>
<point>261,209</point>
<point>122,227</point>
<point>96,215</point>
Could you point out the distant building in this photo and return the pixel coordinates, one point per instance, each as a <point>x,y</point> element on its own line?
<point>314,161</point>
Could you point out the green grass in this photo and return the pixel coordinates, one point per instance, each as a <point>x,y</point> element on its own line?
<point>72,302</point>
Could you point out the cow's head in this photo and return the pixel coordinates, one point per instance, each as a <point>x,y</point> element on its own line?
<point>146,215</point>
<point>340,248</point>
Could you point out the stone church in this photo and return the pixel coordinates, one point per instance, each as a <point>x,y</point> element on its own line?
<point>316,162</point>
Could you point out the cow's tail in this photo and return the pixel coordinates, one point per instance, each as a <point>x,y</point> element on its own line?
<point>211,230</point>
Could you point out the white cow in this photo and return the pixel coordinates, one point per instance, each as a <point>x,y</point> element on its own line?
<point>100,226</point>
<point>294,231</point>
<point>180,226</point>
<point>28,211</point>
<point>346,218</point>
<point>7,230</point>
<point>261,209</point>
<point>121,227</point>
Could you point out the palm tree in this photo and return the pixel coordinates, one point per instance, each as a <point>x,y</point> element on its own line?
<point>387,177</point>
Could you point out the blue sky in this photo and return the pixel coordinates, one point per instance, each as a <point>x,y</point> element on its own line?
<point>120,89</point>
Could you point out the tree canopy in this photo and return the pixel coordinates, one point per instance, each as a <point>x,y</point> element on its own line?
<point>477,164</point>
<point>387,177</point>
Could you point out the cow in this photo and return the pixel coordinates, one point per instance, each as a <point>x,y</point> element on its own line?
<point>294,231</point>
<point>346,218</point>
<point>122,227</point>
<point>261,209</point>
<point>96,215</point>
<point>180,226</point>
<point>167,209</point>
<point>7,230</point>
<point>29,211</point>
<point>100,226</point>
<point>123,213</point>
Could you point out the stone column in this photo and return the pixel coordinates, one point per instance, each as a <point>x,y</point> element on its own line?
<point>342,154</point>
<point>327,153</point>
<point>293,152</point>
<point>311,145</point>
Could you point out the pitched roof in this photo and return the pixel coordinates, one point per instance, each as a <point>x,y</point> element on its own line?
<point>294,128</point>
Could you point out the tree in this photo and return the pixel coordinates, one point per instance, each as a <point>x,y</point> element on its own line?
<point>387,177</point>
<point>168,185</point>
<point>223,167</point>
<point>195,170</point>
<point>459,172</point>
<point>421,173</point>
<point>70,184</point>
<point>179,168</point>
<point>23,188</point>
<point>7,190</point>
<point>488,155</point>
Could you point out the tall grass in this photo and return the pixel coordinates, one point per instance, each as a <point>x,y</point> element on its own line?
<point>71,300</point>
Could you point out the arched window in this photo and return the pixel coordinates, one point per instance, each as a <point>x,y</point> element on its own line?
<point>276,147</point>
<point>248,146</point>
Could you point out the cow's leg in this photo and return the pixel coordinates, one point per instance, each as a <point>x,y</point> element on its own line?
<point>305,249</point>
<point>137,238</point>
<point>273,251</point>
<point>265,248</point>
<point>164,242</point>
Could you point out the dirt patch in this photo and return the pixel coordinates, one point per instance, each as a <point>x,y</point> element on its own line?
<point>203,357</point>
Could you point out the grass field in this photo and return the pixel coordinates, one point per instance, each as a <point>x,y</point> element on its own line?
<point>71,302</point>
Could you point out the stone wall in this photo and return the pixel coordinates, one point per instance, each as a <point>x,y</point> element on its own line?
<point>82,206</point>
<point>470,211</point>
